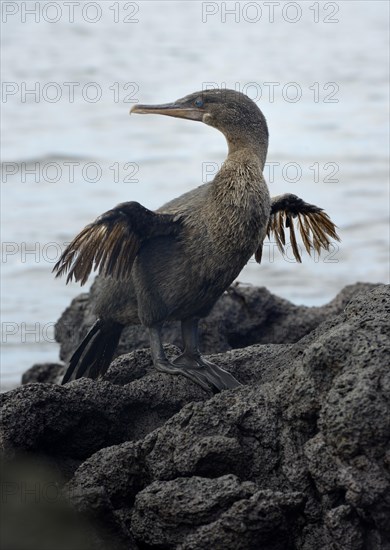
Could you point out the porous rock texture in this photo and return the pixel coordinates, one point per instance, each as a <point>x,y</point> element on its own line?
<point>296,458</point>
<point>243,316</point>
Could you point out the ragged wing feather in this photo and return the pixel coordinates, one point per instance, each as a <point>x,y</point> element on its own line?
<point>111,243</point>
<point>315,226</point>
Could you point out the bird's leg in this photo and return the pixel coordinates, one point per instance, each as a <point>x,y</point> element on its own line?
<point>162,364</point>
<point>196,367</point>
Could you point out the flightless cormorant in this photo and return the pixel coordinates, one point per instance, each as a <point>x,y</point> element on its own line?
<point>174,263</point>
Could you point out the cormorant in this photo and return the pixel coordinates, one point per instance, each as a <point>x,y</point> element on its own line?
<point>174,263</point>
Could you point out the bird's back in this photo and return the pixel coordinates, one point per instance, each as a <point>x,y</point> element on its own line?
<point>188,202</point>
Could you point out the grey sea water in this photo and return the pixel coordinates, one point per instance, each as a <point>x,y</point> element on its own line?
<point>319,72</point>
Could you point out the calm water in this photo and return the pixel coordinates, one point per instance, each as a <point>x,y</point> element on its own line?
<point>70,151</point>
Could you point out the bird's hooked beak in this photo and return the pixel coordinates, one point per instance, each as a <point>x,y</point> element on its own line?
<point>170,109</point>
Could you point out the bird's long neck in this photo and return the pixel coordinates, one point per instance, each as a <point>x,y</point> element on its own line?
<point>240,176</point>
<point>244,148</point>
<point>239,193</point>
<point>251,139</point>
<point>238,206</point>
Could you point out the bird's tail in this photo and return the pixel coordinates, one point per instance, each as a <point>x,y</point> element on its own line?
<point>93,356</point>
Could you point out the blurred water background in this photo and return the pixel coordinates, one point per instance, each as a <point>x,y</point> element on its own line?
<point>319,72</point>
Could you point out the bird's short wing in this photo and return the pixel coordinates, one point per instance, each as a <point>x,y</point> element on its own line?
<point>111,243</point>
<point>315,226</point>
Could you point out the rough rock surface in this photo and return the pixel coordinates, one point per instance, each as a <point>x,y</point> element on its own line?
<point>297,458</point>
<point>43,372</point>
<point>243,316</point>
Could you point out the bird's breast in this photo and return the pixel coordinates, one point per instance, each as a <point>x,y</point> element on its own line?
<point>223,235</point>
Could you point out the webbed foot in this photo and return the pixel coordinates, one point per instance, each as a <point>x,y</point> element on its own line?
<point>169,368</point>
<point>190,364</point>
<point>205,373</point>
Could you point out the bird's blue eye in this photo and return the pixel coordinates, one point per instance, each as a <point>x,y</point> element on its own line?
<point>198,103</point>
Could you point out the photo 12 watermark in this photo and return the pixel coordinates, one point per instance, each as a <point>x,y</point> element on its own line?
<point>289,172</point>
<point>272,92</point>
<point>69,92</point>
<point>271,254</point>
<point>27,332</point>
<point>49,253</point>
<point>270,12</point>
<point>29,492</point>
<point>32,252</point>
<point>69,171</point>
<point>70,12</point>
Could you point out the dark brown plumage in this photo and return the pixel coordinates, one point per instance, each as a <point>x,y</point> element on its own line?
<point>315,226</point>
<point>111,243</point>
<point>173,264</point>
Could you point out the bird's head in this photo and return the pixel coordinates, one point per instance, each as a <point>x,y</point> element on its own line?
<point>231,112</point>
